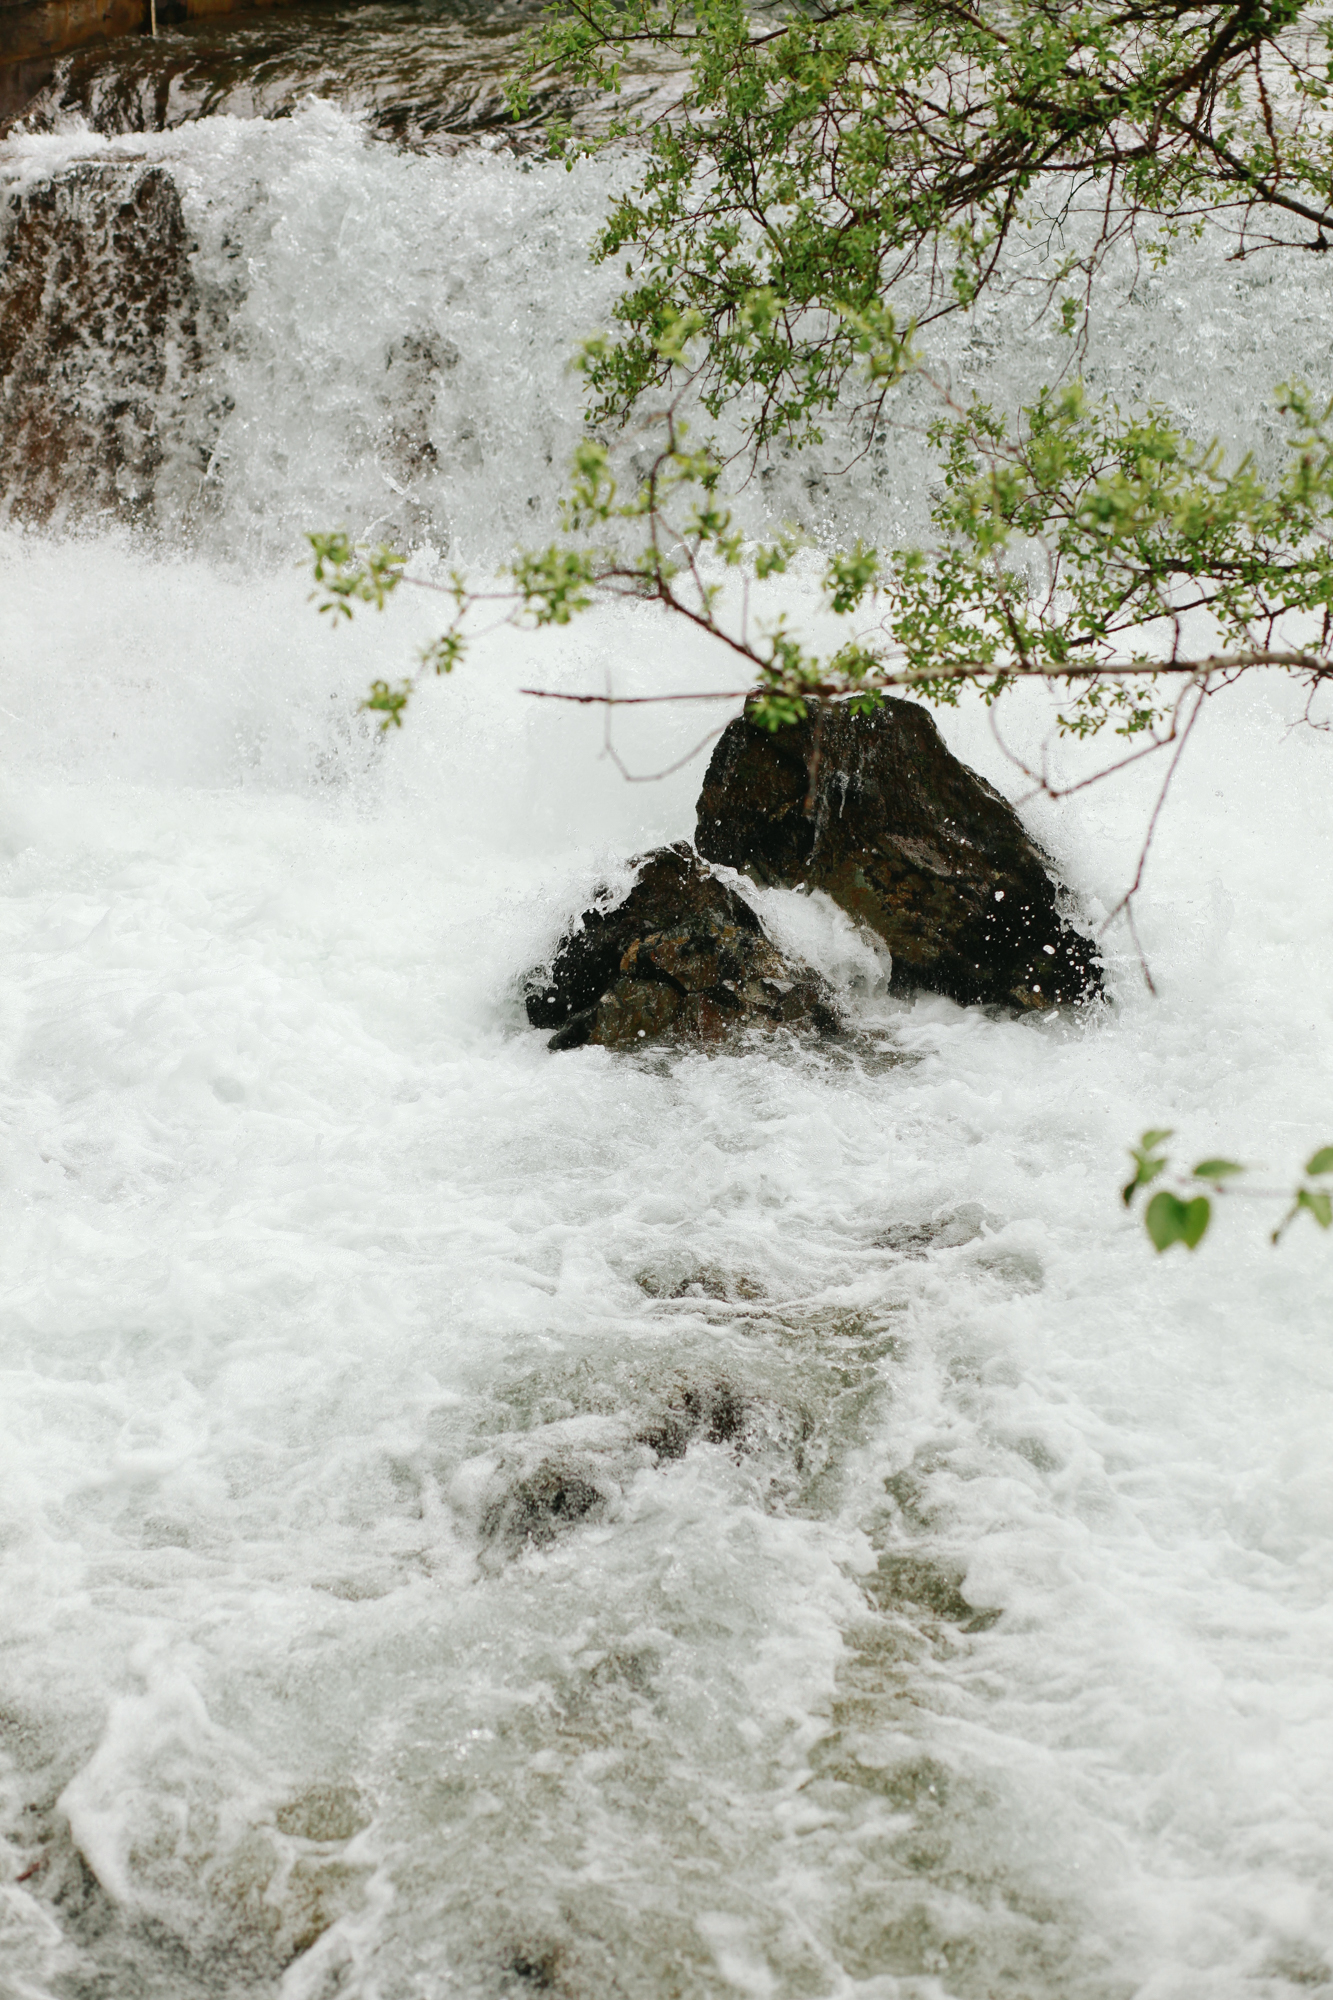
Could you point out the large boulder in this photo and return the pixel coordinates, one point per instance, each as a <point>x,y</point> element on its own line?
<point>875,810</point>
<point>682,955</point>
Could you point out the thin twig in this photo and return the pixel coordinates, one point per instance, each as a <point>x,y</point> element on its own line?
<point>633,700</point>
<point>1125,906</point>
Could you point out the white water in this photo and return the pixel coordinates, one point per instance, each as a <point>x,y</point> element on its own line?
<point>312,1255</point>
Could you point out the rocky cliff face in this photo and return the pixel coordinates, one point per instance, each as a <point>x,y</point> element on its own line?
<point>877,812</point>
<point>103,410</point>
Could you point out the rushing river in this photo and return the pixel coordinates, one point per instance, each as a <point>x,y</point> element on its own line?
<point>479,1522</point>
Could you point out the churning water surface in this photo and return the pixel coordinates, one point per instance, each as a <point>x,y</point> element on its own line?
<point>479,1522</point>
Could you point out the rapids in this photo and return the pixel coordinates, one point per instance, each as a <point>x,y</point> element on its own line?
<point>483,1523</point>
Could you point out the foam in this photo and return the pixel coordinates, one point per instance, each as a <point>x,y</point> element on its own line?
<point>310,1247</point>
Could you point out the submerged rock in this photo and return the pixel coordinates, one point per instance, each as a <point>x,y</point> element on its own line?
<point>908,841</point>
<point>715,1412</point>
<point>683,955</point>
<point>534,1510</point>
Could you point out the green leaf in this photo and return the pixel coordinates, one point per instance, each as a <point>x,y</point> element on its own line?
<point>1147,1164</point>
<point>388,702</point>
<point>1216,1170</point>
<point>1315,1201</point>
<point>1320,1162</point>
<point>1320,1205</point>
<point>1169,1220</point>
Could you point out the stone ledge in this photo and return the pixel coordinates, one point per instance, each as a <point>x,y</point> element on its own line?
<point>34,32</point>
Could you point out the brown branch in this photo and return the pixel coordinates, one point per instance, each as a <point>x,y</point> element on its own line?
<point>906,677</point>
<point>633,700</point>
<point>667,771</point>
<point>1321,218</point>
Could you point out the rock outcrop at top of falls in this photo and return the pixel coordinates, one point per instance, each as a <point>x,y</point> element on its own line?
<point>99,345</point>
<point>908,841</point>
<point>682,956</point>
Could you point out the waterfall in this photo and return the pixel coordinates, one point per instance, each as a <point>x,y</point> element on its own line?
<point>485,1523</point>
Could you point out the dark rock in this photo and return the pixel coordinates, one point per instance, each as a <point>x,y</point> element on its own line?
<point>412,368</point>
<point>918,1583</point>
<point>682,955</point>
<point>538,1508</point>
<point>908,841</point>
<point>945,1230</point>
<point>713,1411</point>
<point>538,1969</point>
<point>699,1281</point>
<point>101,409</point>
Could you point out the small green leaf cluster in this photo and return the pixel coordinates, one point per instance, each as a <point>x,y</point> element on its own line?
<point>349,573</point>
<point>1184,1217</point>
<point>388,702</point>
<point>554,583</point>
<point>1126,528</point>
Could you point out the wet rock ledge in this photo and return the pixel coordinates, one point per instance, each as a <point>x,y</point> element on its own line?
<point>34,32</point>
<point>875,811</point>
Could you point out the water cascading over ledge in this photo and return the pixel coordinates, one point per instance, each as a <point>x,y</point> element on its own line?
<point>103,411</point>
<point>122,345</point>
<point>430,79</point>
<point>323,331</point>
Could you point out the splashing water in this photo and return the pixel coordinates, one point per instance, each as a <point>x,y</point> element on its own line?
<point>480,1522</point>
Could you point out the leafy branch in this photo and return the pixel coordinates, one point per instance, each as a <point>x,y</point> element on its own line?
<point>1184,1216</point>
<point>822,156</point>
<point>1076,546</point>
